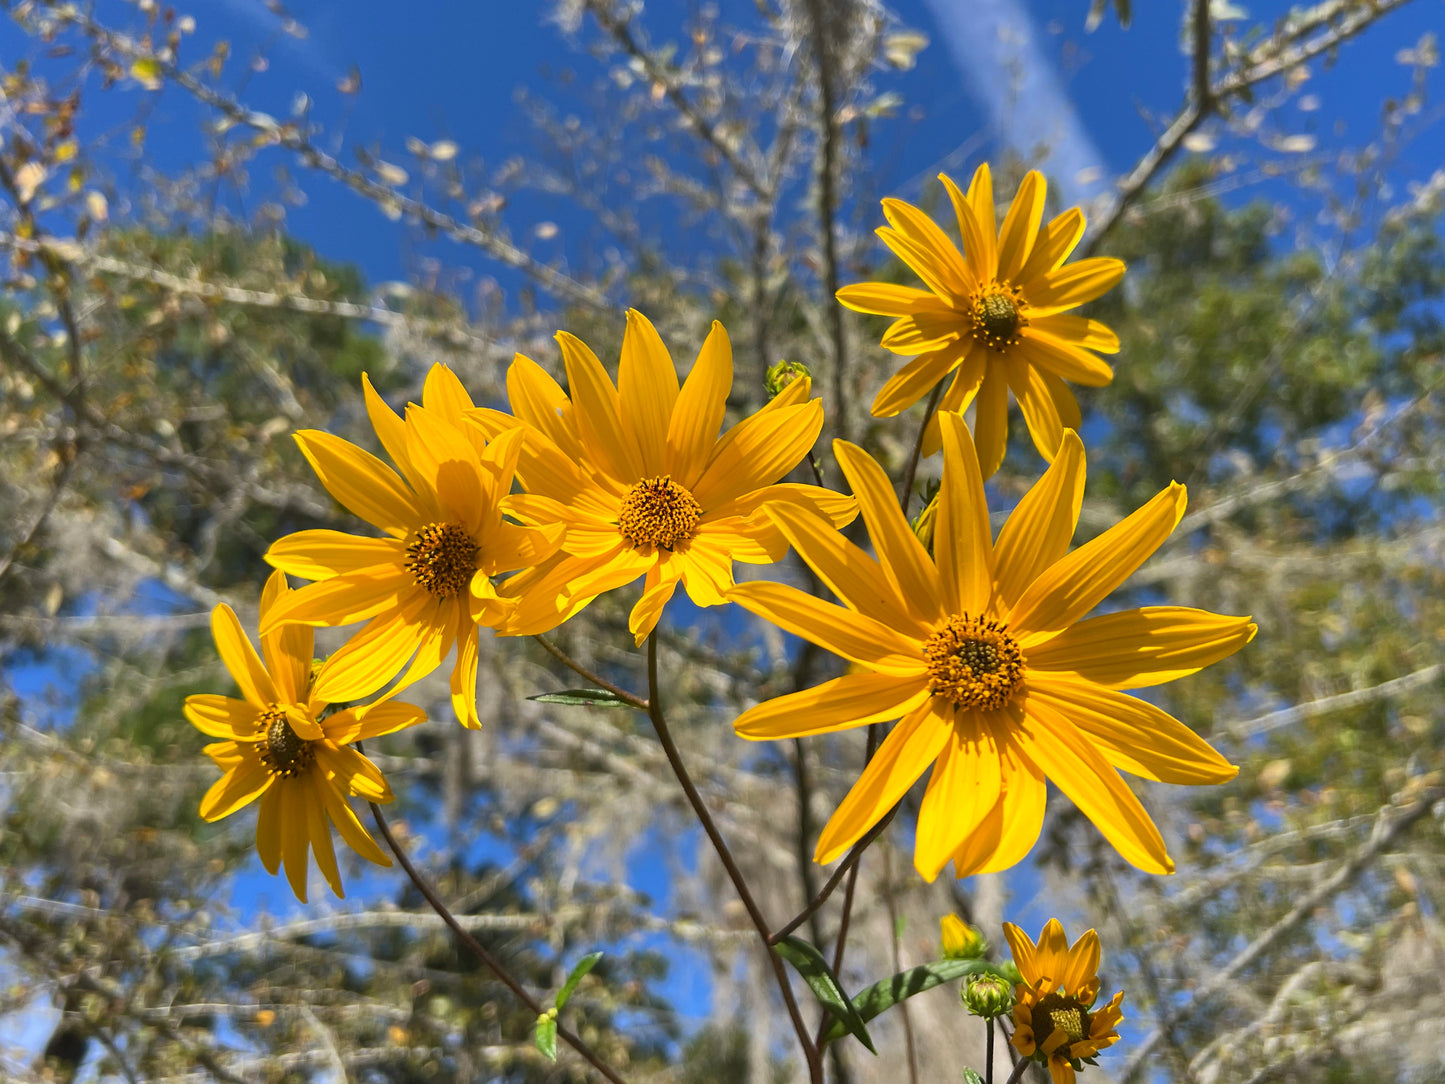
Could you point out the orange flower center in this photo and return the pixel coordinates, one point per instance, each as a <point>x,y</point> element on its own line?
<point>974,662</point>
<point>442,557</point>
<point>658,512</point>
<point>282,752</point>
<point>994,311</point>
<point>1055,1011</point>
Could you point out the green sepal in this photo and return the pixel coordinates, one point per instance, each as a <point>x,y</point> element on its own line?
<point>809,963</point>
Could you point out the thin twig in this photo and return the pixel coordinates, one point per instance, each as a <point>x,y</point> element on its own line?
<point>912,470</point>
<point>740,885</point>
<point>835,879</point>
<point>476,948</point>
<point>601,682</point>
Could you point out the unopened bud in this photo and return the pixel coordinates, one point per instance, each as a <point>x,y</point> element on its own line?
<point>987,995</point>
<point>960,940</point>
<point>782,374</point>
<point>923,525</point>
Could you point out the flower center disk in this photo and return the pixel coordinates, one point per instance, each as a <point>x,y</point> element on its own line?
<point>996,318</point>
<point>442,558</point>
<point>283,753</point>
<point>658,512</point>
<point>1056,1011</point>
<point>974,662</point>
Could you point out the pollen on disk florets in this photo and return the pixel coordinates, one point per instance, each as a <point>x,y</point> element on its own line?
<point>658,512</point>
<point>995,312</point>
<point>974,662</point>
<point>282,752</point>
<point>442,557</point>
<point>1055,1011</point>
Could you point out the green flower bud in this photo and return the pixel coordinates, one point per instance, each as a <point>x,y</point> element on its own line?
<point>987,995</point>
<point>960,940</point>
<point>923,525</point>
<point>782,374</point>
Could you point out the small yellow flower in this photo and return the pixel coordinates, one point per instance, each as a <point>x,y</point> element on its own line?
<point>1054,1019</point>
<point>994,315</point>
<point>425,587</point>
<point>960,940</point>
<point>279,748</point>
<point>641,481</point>
<point>981,651</point>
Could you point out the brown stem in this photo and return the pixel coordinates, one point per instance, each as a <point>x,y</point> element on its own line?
<point>835,880</point>
<point>596,679</point>
<point>740,885</point>
<point>476,948</point>
<point>1020,1068</point>
<point>917,454</point>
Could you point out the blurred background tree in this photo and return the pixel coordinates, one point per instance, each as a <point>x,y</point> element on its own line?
<point>163,332</point>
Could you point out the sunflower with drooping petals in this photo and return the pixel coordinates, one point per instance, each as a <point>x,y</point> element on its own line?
<point>1055,1022</point>
<point>279,747</point>
<point>980,651</point>
<point>424,587</point>
<point>642,484</point>
<point>995,315</point>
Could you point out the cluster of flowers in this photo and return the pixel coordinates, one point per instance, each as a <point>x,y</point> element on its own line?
<point>979,646</point>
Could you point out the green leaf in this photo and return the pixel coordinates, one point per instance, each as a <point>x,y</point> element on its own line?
<point>591,698</point>
<point>545,1036</point>
<point>971,1077</point>
<point>889,992</point>
<point>824,984</point>
<point>584,965</point>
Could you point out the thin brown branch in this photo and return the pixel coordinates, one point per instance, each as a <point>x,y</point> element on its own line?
<point>725,855</point>
<point>478,950</point>
<point>596,679</point>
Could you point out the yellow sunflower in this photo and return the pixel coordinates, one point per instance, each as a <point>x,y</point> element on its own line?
<point>642,483</point>
<point>1054,1022</point>
<point>424,587</point>
<point>994,315</point>
<point>278,746</point>
<point>980,651</point>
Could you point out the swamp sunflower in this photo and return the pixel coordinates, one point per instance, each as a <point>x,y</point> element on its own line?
<point>279,747</point>
<point>982,652</point>
<point>1055,1023</point>
<point>424,587</point>
<point>641,482</point>
<point>995,315</point>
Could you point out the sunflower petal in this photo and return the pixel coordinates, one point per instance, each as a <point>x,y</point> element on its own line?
<point>1011,831</point>
<point>597,409</point>
<point>697,415</point>
<point>464,676</point>
<point>990,423</point>
<point>856,578</point>
<point>962,791</point>
<point>758,451</point>
<point>963,540</point>
<point>841,704</point>
<point>647,390</point>
<point>318,831</point>
<point>930,328</point>
<point>905,562</point>
<point>238,786</point>
<point>1021,226</point>
<point>222,717</point>
<point>344,599</point>
<point>321,554</point>
<point>1077,331</point>
<point>904,755</point>
<point>1064,360</point>
<point>883,298</point>
<point>363,484</point>
<point>972,366</point>
<point>376,654</point>
<point>447,456</point>
<point>1074,284</point>
<point>1039,528</point>
<point>924,232</point>
<point>391,430</point>
<point>268,829</point>
<point>1148,646</point>
<point>1052,247</point>
<point>980,241</point>
<point>912,382</point>
<point>540,401</point>
<point>851,635</point>
<point>1077,767</point>
<point>288,649</point>
<point>241,659</point>
<point>356,837</point>
<point>1040,412</point>
<point>935,271</point>
<point>363,724</point>
<point>294,838</point>
<point>353,772</point>
<point>1074,585</point>
<point>444,395</point>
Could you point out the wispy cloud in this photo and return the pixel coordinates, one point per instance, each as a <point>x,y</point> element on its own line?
<point>995,45</point>
<point>305,50</point>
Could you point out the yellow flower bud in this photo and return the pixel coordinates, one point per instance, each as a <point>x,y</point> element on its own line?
<point>960,940</point>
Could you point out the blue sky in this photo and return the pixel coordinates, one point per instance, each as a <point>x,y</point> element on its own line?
<point>450,70</point>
